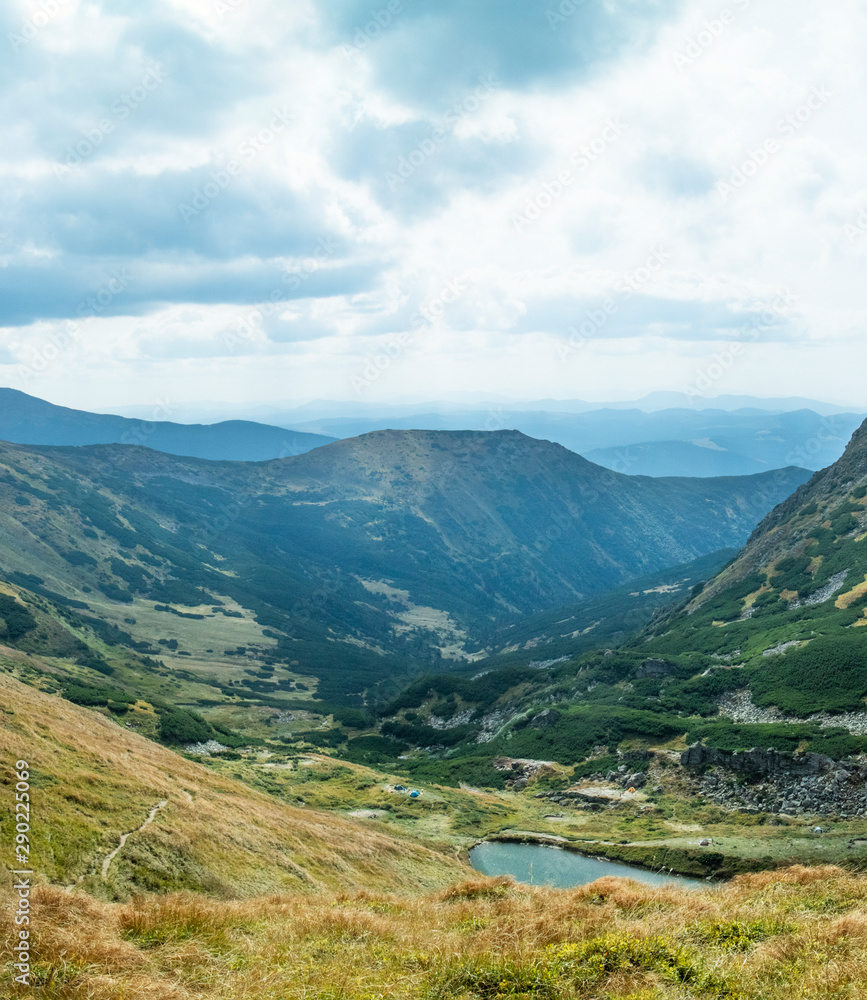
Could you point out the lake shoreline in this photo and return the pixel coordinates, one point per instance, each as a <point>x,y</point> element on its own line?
<point>696,863</point>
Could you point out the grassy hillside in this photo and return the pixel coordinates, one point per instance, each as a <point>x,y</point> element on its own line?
<point>357,565</point>
<point>786,618</point>
<point>599,621</point>
<point>796,933</point>
<point>94,780</point>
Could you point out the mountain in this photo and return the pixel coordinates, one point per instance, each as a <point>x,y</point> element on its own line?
<point>609,620</point>
<point>27,420</point>
<point>356,564</point>
<point>683,442</point>
<point>287,413</point>
<point>207,832</point>
<point>638,439</point>
<point>671,458</point>
<point>769,653</point>
<point>790,609</point>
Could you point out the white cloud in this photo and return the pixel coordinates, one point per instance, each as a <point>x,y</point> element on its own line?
<point>606,163</point>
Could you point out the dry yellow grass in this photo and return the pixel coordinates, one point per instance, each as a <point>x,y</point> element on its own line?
<point>93,781</point>
<point>848,599</point>
<point>799,933</point>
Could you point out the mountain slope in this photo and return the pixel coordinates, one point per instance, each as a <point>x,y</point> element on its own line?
<point>27,420</point>
<point>93,780</point>
<point>357,563</point>
<point>792,606</point>
<point>675,458</point>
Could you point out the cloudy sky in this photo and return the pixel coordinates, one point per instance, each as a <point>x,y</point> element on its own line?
<point>250,200</point>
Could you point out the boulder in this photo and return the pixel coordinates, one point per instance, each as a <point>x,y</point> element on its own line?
<point>654,668</point>
<point>546,718</point>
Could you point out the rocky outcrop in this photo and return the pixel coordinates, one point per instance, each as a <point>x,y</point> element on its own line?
<point>794,784</point>
<point>756,762</point>
<point>738,706</point>
<point>654,668</point>
<point>546,718</point>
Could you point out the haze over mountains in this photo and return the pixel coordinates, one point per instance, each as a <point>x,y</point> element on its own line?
<point>27,420</point>
<point>288,413</point>
<point>644,438</point>
<point>667,442</point>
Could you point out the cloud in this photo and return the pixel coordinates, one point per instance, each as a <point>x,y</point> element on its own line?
<point>83,290</point>
<point>341,155</point>
<point>430,53</point>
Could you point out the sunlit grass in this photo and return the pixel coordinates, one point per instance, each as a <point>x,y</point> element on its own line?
<point>762,937</point>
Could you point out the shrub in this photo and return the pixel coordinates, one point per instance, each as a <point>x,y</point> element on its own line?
<point>19,621</point>
<point>77,558</point>
<point>828,674</point>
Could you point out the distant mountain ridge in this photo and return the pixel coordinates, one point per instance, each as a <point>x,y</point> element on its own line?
<point>26,420</point>
<point>686,441</point>
<point>288,413</point>
<point>360,558</point>
<point>680,442</point>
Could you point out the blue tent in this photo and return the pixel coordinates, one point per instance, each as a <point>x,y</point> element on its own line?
<point>414,794</point>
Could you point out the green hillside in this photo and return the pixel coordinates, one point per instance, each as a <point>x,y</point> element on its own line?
<point>344,572</point>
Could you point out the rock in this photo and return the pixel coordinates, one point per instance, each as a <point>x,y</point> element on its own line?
<point>757,762</point>
<point>654,668</point>
<point>637,780</point>
<point>546,718</point>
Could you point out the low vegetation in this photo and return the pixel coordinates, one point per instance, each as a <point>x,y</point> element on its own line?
<point>799,933</point>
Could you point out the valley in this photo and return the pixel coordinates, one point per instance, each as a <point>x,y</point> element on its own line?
<point>230,675</point>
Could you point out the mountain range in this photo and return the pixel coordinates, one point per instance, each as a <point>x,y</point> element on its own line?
<point>359,561</point>
<point>770,652</point>
<point>681,442</point>
<point>644,439</point>
<point>25,419</point>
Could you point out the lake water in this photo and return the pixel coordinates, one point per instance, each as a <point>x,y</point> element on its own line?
<point>533,863</point>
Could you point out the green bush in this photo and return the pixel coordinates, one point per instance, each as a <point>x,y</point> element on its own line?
<point>77,558</point>
<point>178,725</point>
<point>828,674</point>
<point>18,620</point>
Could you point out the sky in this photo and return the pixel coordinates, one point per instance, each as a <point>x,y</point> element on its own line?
<point>373,200</point>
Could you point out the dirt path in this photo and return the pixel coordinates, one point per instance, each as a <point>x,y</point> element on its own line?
<point>125,836</point>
